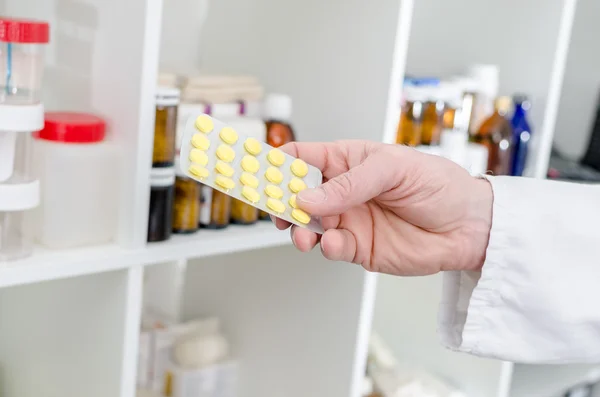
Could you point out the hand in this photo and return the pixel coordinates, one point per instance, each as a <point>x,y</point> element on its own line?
<point>393,209</point>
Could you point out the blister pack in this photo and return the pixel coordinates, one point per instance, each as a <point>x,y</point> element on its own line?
<point>215,154</point>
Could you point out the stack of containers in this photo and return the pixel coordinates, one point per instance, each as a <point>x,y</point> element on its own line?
<point>162,175</point>
<point>21,113</point>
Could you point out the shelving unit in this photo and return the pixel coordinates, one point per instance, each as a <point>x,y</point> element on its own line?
<point>69,321</point>
<point>532,56</point>
<point>292,316</point>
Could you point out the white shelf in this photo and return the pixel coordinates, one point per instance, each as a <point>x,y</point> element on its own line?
<point>46,264</point>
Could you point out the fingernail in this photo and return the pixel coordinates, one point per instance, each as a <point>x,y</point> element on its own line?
<point>313,196</point>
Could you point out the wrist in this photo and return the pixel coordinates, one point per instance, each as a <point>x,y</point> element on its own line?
<point>479,223</point>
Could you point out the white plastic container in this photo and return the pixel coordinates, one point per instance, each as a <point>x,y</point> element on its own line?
<point>79,178</point>
<point>22,60</point>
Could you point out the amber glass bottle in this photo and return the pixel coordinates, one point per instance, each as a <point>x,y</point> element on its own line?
<point>411,117</point>
<point>215,208</point>
<point>186,206</point>
<point>496,134</point>
<point>165,127</point>
<point>277,115</point>
<point>433,117</point>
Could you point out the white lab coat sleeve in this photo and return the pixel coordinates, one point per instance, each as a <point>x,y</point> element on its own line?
<point>537,298</point>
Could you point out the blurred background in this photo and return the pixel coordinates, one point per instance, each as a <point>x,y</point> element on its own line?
<point>119,275</point>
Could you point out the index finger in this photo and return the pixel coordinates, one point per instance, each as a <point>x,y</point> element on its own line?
<point>332,158</point>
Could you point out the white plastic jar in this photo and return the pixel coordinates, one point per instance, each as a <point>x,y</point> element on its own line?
<point>22,60</point>
<point>79,179</point>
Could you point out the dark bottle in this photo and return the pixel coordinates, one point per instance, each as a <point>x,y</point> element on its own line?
<point>521,134</point>
<point>162,191</point>
<point>496,134</point>
<point>277,115</point>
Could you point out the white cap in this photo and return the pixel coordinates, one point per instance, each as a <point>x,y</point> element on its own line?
<point>451,93</point>
<point>277,107</point>
<point>415,94</point>
<point>488,78</point>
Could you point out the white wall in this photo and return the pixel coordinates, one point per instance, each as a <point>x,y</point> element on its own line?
<point>582,82</point>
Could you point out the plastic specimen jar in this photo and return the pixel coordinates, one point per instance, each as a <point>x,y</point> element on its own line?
<point>79,178</point>
<point>22,60</point>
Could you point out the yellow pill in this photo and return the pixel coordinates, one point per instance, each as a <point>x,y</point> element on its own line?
<point>200,141</point>
<point>292,201</point>
<point>224,182</point>
<point>249,180</point>
<point>252,146</point>
<point>225,153</point>
<point>204,124</point>
<point>199,157</point>
<point>228,135</point>
<point>224,169</point>
<point>276,206</point>
<point>300,216</point>
<point>276,157</point>
<point>198,171</point>
<point>297,185</point>
<point>299,168</point>
<point>250,164</point>
<point>274,175</point>
<point>274,191</point>
<point>250,194</point>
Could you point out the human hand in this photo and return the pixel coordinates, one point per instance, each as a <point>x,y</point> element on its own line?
<point>392,209</point>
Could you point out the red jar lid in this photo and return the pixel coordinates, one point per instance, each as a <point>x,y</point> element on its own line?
<point>72,127</point>
<point>24,31</point>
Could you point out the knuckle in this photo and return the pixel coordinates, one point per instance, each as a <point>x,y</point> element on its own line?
<point>342,186</point>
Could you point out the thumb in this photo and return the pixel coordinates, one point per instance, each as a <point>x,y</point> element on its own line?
<point>354,187</point>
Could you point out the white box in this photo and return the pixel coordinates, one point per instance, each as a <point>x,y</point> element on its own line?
<point>144,360</point>
<point>219,380</point>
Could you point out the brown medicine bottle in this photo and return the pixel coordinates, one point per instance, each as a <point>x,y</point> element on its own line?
<point>433,117</point>
<point>277,115</point>
<point>165,127</point>
<point>215,208</point>
<point>411,117</point>
<point>186,204</point>
<point>160,215</point>
<point>496,134</point>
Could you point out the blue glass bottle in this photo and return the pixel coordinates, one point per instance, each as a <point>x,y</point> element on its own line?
<point>521,134</point>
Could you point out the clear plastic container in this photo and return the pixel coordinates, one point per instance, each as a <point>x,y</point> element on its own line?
<point>79,178</point>
<point>22,60</point>
<point>19,189</point>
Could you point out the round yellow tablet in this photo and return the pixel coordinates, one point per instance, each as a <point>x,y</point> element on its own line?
<point>198,171</point>
<point>250,164</point>
<point>299,168</point>
<point>248,179</point>
<point>228,135</point>
<point>274,175</point>
<point>225,153</point>
<point>292,201</point>
<point>199,157</point>
<point>224,182</point>
<point>200,141</point>
<point>204,124</point>
<point>276,157</point>
<point>300,216</point>
<point>297,185</point>
<point>253,146</point>
<point>224,169</point>
<point>274,192</point>
<point>250,194</point>
<point>276,206</point>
